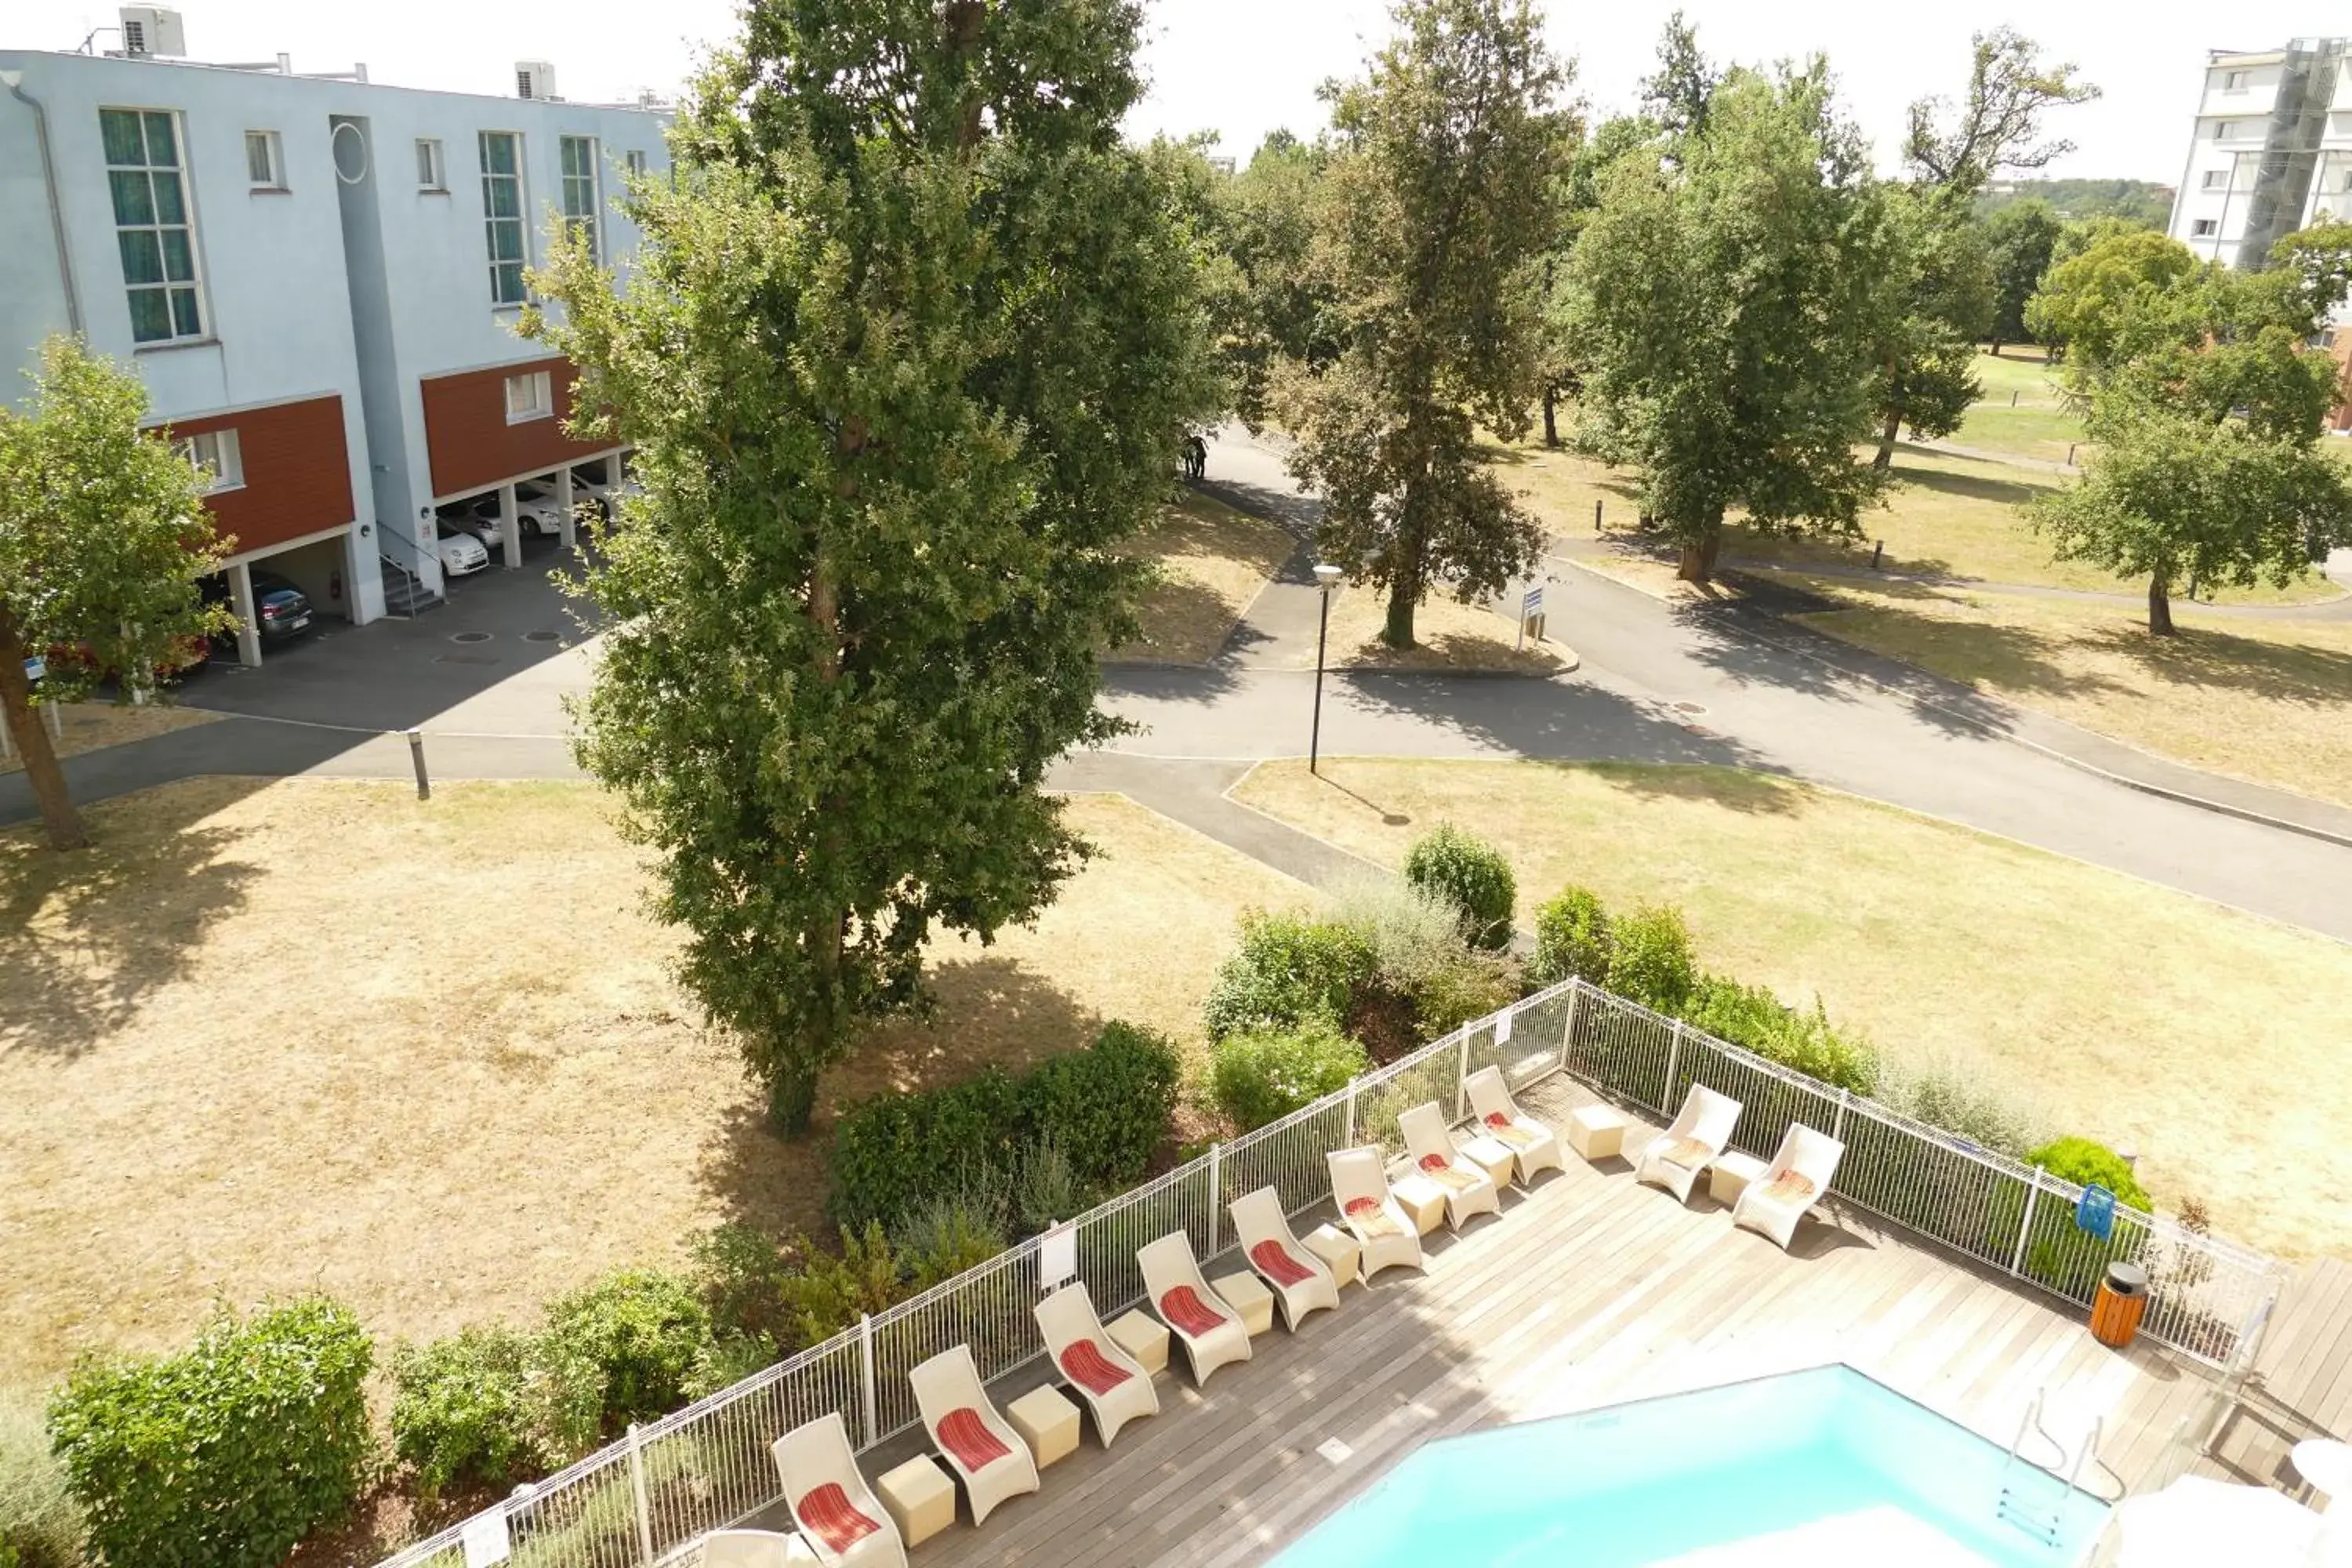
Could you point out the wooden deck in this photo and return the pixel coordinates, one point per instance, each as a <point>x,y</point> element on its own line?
<point>2302,1385</point>
<point>1588,1291</point>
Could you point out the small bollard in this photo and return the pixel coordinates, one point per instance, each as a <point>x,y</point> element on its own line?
<point>416,755</point>
<point>2012,399</point>
<point>1876,551</point>
<point>2070,454</point>
<point>1596,517</point>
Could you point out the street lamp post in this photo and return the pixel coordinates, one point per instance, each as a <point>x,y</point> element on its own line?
<point>1326,577</point>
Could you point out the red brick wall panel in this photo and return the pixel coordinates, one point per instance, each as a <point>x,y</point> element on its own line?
<point>297,472</point>
<point>468,437</point>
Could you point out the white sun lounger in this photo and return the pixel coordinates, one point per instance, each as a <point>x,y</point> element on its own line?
<point>1534,1146</point>
<point>1300,1281</point>
<point>1702,1130</point>
<point>1211,1332</point>
<point>1797,1179</point>
<point>981,1447</point>
<point>1112,1382</point>
<point>837,1512</point>
<point>1468,1189</point>
<point>1384,1233</point>
<point>753,1549</point>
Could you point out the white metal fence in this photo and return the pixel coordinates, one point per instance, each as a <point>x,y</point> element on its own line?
<point>645,1498</point>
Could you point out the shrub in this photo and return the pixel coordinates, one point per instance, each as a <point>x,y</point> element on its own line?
<point>1107,1109</point>
<point>827,1294</point>
<point>949,1234</point>
<point>227,1454</point>
<point>1971,1104</point>
<point>1045,1187</point>
<point>465,1410</point>
<point>1473,874</point>
<point>40,1525</point>
<point>1571,939</point>
<point>726,1362</point>
<point>636,1335</point>
<point>738,1270</point>
<point>1266,1074</point>
<point>1287,970</point>
<point>1412,933</point>
<point>1473,985</point>
<point>2085,1161</point>
<point>893,1150</point>
<point>1752,1017</point>
<point>1649,958</point>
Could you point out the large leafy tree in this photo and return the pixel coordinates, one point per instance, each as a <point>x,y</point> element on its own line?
<point>2100,300</point>
<point>102,537</point>
<point>1441,196</point>
<point>1728,306</point>
<point>1282,301</point>
<point>2021,239</point>
<point>1997,123</point>
<point>905,356</point>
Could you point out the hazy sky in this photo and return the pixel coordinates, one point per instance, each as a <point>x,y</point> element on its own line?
<point>1243,67</point>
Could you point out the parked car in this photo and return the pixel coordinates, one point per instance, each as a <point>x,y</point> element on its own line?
<point>535,509</point>
<point>281,609</point>
<point>460,551</point>
<point>477,518</point>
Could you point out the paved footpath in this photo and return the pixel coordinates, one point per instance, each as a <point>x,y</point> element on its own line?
<point>1658,684</point>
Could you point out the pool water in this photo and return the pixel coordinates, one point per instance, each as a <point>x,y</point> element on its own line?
<point>1820,1468</point>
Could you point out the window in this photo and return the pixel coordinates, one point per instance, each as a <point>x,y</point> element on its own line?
<point>530,395</point>
<point>264,161</point>
<point>2222,131</point>
<point>636,160</point>
<point>502,214</point>
<point>2233,81</point>
<point>2204,228</point>
<point>152,223</point>
<point>432,174</point>
<point>579,155</point>
<point>214,453</point>
<point>2217,179</point>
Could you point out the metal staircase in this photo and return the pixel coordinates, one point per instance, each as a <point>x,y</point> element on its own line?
<point>2032,1494</point>
<point>405,593</point>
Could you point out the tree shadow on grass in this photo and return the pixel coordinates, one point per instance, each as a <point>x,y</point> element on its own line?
<point>1734,789</point>
<point>993,1011</point>
<point>1977,487</point>
<point>2204,655</point>
<point>1182,622</point>
<point>87,937</point>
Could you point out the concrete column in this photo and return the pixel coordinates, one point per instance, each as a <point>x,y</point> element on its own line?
<point>570,531</point>
<point>249,624</point>
<point>509,526</point>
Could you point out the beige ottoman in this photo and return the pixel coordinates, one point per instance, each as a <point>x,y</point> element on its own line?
<point>1047,1422</point>
<point>1249,1298</point>
<point>1143,1337</point>
<point>1338,1252</point>
<point>1597,1132</point>
<point>1422,1199</point>
<point>1731,1175</point>
<point>1493,1156</point>
<point>919,1498</point>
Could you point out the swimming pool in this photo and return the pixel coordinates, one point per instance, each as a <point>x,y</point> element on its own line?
<point>1820,1468</point>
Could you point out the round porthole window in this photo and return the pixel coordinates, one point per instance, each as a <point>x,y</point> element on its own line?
<point>350,153</point>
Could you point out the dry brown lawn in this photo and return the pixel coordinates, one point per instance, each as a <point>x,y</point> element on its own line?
<point>426,1055</point>
<point>1447,634</point>
<point>1212,562</point>
<point>2268,700</point>
<point>90,726</point>
<point>2211,1040</point>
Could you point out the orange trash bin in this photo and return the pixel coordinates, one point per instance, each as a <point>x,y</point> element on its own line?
<point>2116,1310</point>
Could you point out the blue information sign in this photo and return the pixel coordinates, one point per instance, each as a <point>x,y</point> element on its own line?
<point>2096,1212</point>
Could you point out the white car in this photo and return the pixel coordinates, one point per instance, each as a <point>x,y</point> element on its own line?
<point>536,511</point>
<point>461,553</point>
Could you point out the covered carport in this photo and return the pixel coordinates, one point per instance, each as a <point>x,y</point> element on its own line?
<point>558,479</point>
<point>320,564</point>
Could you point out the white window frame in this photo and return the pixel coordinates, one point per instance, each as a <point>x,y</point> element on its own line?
<point>194,284</point>
<point>273,159</point>
<point>571,192</point>
<point>2233,81</point>
<point>635,160</point>
<point>499,298</point>
<point>538,389</point>
<point>2204,228</point>
<point>432,166</point>
<point>218,459</point>
<point>2222,129</point>
<point>2215,180</point>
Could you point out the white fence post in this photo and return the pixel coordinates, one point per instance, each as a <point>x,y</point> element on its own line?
<point>1349,1141</point>
<point>866,1377</point>
<point>1216,1191</point>
<point>1568,1030</point>
<point>2025,1225</point>
<point>1462,1075</point>
<point>1837,1127</point>
<point>637,1484</point>
<point>1674,1054</point>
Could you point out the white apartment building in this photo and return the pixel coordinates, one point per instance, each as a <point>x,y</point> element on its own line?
<point>2272,152</point>
<point>318,279</point>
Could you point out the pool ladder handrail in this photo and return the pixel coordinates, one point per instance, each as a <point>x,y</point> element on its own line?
<point>2010,1506</point>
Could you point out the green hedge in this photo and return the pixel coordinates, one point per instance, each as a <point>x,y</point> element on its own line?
<point>1288,969</point>
<point>2057,1252</point>
<point>1751,1015</point>
<point>633,1338</point>
<point>1571,939</point>
<point>464,1412</point>
<point>1473,875</point>
<point>226,1455</point>
<point>1105,1108</point>
<point>1265,1075</point>
<point>1650,959</point>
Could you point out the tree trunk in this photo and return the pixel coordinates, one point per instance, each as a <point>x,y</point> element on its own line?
<point>1886,435</point>
<point>25,727</point>
<point>792,1097</point>
<point>1996,347</point>
<point>1698,555</point>
<point>1404,577</point>
<point>1552,416</point>
<point>2159,604</point>
<point>1397,630</point>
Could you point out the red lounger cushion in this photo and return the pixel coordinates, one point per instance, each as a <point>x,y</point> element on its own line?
<point>1085,1365</point>
<point>1435,1162</point>
<point>1273,1261</point>
<point>1184,1311</point>
<point>964,1435</point>
<point>828,1514</point>
<point>1496,1119</point>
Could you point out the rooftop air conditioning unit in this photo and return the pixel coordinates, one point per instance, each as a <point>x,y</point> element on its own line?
<point>152,30</point>
<point>534,79</point>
